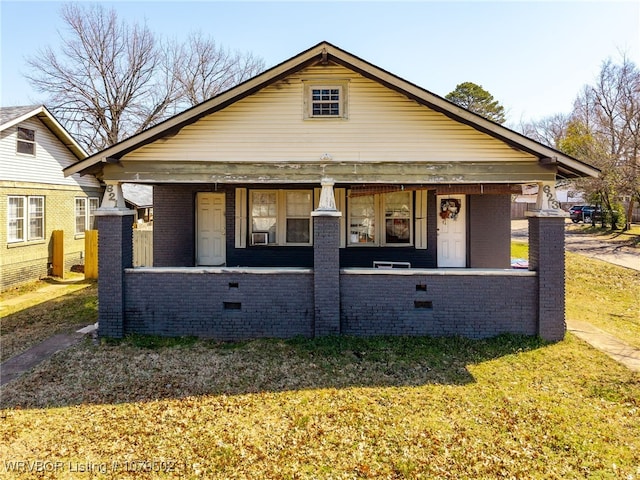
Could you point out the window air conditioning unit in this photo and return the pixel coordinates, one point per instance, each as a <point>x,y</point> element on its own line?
<point>260,238</point>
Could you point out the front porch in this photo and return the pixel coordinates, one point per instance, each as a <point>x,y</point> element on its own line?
<point>329,298</point>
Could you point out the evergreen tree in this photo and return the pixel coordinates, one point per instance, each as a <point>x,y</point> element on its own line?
<point>476,99</point>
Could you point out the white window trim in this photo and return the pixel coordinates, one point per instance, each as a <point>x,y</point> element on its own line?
<point>24,216</point>
<point>341,85</point>
<point>26,219</point>
<point>88,216</point>
<point>30,213</point>
<point>30,142</point>
<point>281,217</point>
<point>380,225</point>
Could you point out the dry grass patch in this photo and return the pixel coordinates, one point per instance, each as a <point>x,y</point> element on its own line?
<point>38,316</point>
<point>509,407</point>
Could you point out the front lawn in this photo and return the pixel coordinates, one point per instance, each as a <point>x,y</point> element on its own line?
<point>604,295</point>
<point>508,407</point>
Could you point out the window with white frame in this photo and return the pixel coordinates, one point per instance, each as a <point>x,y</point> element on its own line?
<point>280,217</point>
<point>326,100</point>
<point>26,141</point>
<point>381,219</point>
<point>36,218</point>
<point>94,203</point>
<point>25,218</point>
<point>85,214</point>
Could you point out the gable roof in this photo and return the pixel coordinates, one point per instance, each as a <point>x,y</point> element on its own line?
<point>568,167</point>
<point>11,116</point>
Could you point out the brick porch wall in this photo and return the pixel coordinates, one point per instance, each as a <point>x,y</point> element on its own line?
<point>219,303</point>
<point>474,305</point>
<point>235,304</point>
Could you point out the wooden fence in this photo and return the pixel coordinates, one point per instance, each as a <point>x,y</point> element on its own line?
<point>91,254</point>
<point>57,265</point>
<point>142,247</point>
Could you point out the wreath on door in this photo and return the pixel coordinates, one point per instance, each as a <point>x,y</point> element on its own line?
<point>449,208</point>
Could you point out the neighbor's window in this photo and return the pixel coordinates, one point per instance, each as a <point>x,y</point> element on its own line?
<point>281,217</point>
<point>36,218</point>
<point>15,224</point>
<point>381,219</point>
<point>85,214</point>
<point>326,101</point>
<point>26,141</point>
<point>94,203</point>
<point>25,219</point>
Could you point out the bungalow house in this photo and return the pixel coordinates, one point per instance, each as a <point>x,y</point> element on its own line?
<point>36,198</point>
<point>328,196</point>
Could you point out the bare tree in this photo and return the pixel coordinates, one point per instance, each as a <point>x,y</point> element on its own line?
<point>610,109</point>
<point>548,131</point>
<point>205,69</point>
<point>110,79</point>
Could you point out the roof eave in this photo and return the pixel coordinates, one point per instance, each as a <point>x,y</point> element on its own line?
<point>326,51</point>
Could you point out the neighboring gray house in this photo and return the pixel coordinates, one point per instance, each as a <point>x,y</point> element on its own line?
<point>275,201</point>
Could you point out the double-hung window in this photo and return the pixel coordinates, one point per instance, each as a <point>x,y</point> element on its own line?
<point>381,219</point>
<point>26,141</point>
<point>85,214</point>
<point>25,218</point>
<point>280,217</point>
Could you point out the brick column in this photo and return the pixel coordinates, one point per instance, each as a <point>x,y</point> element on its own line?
<point>115,253</point>
<point>326,263</point>
<point>546,256</point>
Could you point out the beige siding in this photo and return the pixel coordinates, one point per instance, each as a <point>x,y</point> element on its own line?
<point>47,164</point>
<point>383,125</point>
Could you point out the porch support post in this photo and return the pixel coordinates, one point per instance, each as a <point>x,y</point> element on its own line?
<point>115,253</point>
<point>326,263</point>
<point>546,256</point>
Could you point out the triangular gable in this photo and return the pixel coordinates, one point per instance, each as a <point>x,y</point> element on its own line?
<point>11,116</point>
<point>326,52</point>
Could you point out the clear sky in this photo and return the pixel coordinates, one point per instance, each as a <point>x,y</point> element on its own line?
<point>533,57</point>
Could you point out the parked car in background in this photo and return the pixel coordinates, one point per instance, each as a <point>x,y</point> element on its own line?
<point>584,213</point>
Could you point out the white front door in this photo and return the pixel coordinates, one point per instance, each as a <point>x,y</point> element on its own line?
<point>452,231</point>
<point>210,229</point>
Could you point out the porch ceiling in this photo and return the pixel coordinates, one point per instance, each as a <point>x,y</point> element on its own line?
<point>312,173</point>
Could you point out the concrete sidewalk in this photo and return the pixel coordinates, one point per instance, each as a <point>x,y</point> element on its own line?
<point>606,343</point>
<point>25,361</point>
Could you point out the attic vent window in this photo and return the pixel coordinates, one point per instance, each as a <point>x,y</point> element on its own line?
<point>326,100</point>
<point>26,141</point>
